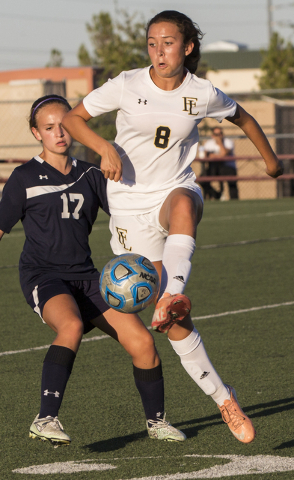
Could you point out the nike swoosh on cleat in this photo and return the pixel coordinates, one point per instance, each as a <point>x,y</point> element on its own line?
<point>240,436</point>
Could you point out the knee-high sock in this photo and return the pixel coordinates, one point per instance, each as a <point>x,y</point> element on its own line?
<point>150,385</point>
<point>57,368</point>
<point>198,365</point>
<point>176,263</point>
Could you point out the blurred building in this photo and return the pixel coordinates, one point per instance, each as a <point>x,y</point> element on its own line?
<point>233,71</point>
<point>71,82</point>
<point>20,88</point>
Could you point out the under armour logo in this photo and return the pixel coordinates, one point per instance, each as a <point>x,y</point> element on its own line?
<point>204,374</point>
<point>142,101</point>
<point>56,394</point>
<point>180,278</point>
<point>43,176</point>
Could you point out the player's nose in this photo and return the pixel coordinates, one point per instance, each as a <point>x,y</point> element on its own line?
<point>159,51</point>
<point>60,131</point>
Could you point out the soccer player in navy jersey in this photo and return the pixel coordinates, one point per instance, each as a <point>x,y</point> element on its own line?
<point>152,193</point>
<point>57,199</point>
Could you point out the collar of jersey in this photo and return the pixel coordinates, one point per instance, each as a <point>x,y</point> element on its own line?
<point>168,92</point>
<point>40,160</point>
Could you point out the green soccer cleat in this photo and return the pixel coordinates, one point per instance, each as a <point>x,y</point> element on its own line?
<point>49,429</point>
<point>162,430</point>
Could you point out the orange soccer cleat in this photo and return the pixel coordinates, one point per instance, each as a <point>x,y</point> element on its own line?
<point>239,424</point>
<point>170,310</point>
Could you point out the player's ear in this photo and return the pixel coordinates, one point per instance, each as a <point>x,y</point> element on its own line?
<point>189,48</point>
<point>36,134</point>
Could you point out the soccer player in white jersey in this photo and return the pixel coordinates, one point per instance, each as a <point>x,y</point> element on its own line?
<point>154,202</point>
<point>57,199</point>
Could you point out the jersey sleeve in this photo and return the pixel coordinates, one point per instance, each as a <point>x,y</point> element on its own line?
<point>220,105</point>
<point>102,192</point>
<point>12,204</point>
<point>99,184</point>
<point>105,98</point>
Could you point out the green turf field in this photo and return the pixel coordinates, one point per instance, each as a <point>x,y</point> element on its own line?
<point>241,289</point>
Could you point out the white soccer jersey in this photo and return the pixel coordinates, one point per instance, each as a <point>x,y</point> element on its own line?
<point>212,147</point>
<point>157,134</point>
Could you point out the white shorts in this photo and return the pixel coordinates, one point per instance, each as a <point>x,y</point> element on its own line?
<point>143,233</point>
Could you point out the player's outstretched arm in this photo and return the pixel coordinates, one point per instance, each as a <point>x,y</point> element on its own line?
<point>75,122</point>
<point>274,167</point>
<point>1,234</point>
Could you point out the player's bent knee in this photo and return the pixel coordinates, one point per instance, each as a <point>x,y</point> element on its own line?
<point>183,203</point>
<point>143,347</point>
<point>72,328</point>
<point>146,343</point>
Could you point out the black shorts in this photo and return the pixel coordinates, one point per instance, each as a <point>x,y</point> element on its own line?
<point>85,292</point>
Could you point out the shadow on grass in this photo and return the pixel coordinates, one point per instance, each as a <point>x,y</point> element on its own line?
<point>285,445</point>
<point>115,443</point>
<point>269,408</point>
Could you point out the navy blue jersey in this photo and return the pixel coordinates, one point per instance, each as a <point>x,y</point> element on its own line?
<point>57,212</point>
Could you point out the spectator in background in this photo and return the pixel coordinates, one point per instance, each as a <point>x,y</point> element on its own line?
<point>219,146</point>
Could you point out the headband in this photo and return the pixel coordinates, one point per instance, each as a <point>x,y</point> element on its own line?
<point>47,100</point>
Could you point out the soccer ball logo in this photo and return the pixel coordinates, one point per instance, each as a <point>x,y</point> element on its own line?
<point>129,283</point>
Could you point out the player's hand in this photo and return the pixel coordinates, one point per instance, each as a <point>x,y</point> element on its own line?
<point>111,164</point>
<point>275,169</point>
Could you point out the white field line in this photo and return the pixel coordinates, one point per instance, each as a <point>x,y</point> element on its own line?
<point>13,235</point>
<point>101,227</point>
<point>204,247</point>
<point>203,317</point>
<point>245,310</point>
<point>21,233</point>
<point>204,219</point>
<point>236,465</point>
<point>45,347</point>
<point>244,242</point>
<point>246,215</point>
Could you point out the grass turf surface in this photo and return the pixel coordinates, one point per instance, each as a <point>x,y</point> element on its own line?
<point>101,411</point>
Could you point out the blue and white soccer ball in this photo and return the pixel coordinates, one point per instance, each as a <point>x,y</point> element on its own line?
<point>129,283</point>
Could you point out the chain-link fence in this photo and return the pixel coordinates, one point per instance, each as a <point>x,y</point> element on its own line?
<point>18,143</point>
<point>16,139</point>
<point>251,179</point>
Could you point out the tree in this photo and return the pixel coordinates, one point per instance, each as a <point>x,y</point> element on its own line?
<point>277,65</point>
<point>117,45</point>
<point>56,58</point>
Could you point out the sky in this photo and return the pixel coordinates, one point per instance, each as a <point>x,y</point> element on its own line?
<point>30,29</point>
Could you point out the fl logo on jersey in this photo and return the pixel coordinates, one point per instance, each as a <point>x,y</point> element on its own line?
<point>190,104</point>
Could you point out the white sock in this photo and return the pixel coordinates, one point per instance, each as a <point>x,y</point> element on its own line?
<point>176,263</point>
<point>197,364</point>
<point>221,394</point>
